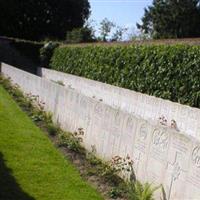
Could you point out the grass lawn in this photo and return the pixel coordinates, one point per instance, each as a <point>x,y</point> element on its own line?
<point>31,168</point>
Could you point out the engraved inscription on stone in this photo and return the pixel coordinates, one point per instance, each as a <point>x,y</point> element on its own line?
<point>141,137</point>
<point>130,125</point>
<point>196,156</point>
<point>98,109</point>
<point>160,139</point>
<point>177,171</point>
<point>83,103</point>
<point>118,119</point>
<point>106,118</point>
<point>143,132</point>
<point>137,160</point>
<point>159,145</point>
<point>193,178</point>
<point>98,115</point>
<point>141,146</point>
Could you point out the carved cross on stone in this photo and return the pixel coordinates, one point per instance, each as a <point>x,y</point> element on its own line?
<point>176,171</point>
<point>137,162</point>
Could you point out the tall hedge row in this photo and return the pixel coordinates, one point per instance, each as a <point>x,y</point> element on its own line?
<point>171,72</point>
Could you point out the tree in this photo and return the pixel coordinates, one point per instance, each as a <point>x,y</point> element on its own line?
<point>37,19</point>
<point>172,19</point>
<point>118,34</point>
<point>79,35</point>
<point>105,28</point>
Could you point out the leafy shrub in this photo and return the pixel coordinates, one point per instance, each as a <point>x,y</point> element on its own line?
<point>53,130</point>
<point>92,159</point>
<point>46,53</point>
<point>115,193</point>
<point>139,191</point>
<point>71,141</point>
<point>171,72</point>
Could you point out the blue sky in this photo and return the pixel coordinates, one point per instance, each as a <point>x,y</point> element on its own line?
<point>125,13</point>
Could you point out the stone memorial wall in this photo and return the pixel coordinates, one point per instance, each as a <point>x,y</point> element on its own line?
<point>161,154</point>
<point>141,105</point>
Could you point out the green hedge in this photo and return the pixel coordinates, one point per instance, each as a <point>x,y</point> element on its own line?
<point>171,72</point>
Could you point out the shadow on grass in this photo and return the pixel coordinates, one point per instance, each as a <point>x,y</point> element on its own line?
<point>9,188</point>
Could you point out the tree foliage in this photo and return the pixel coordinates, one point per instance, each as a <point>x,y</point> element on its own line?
<point>80,35</point>
<point>118,34</point>
<point>172,19</point>
<point>31,19</point>
<point>105,28</point>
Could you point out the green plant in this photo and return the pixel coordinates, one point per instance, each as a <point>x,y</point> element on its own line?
<point>46,53</point>
<point>115,193</point>
<point>92,158</point>
<point>53,129</point>
<point>136,190</point>
<point>139,191</point>
<point>166,71</point>
<point>121,164</point>
<point>37,113</point>
<point>72,141</point>
<point>117,166</point>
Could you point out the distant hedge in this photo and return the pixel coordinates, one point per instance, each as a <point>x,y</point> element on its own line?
<point>171,72</point>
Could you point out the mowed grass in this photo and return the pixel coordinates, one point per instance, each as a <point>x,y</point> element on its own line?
<point>30,166</point>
